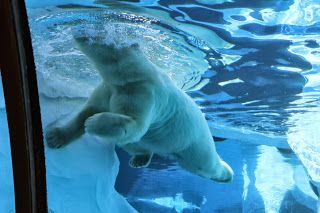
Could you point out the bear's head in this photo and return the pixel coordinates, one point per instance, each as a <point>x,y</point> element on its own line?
<point>96,49</point>
<point>107,56</point>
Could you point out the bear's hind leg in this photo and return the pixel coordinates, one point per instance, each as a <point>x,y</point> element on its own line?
<point>140,161</point>
<point>141,157</point>
<point>225,174</point>
<point>203,160</point>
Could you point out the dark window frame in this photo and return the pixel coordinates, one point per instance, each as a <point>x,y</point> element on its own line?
<point>23,110</point>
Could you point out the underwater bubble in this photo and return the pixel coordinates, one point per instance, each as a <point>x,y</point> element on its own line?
<point>65,70</point>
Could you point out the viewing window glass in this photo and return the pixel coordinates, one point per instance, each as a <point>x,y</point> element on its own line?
<point>6,178</point>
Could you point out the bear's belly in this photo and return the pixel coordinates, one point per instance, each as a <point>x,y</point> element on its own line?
<point>163,143</point>
<point>173,136</point>
<point>178,124</point>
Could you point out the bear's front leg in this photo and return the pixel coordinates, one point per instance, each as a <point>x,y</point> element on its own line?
<point>118,128</point>
<point>59,136</point>
<point>107,124</point>
<point>130,117</point>
<point>56,137</point>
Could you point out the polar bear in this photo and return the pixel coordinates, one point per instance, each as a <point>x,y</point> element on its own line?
<point>139,108</point>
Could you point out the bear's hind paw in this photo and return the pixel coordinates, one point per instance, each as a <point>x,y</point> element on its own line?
<point>140,161</point>
<point>225,174</point>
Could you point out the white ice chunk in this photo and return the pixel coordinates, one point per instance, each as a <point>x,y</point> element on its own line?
<point>305,196</point>
<point>247,135</point>
<point>304,139</point>
<point>80,176</point>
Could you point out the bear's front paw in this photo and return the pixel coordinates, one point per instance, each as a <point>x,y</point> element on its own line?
<point>90,124</point>
<point>106,125</point>
<point>55,138</point>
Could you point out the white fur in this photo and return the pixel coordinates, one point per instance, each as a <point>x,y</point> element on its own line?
<point>140,109</point>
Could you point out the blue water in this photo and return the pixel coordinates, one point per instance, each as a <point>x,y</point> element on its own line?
<point>251,66</point>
